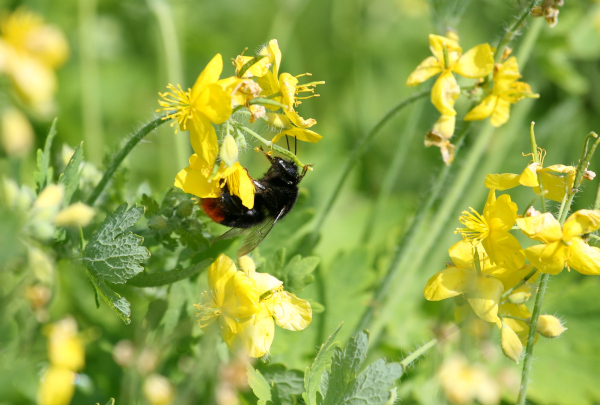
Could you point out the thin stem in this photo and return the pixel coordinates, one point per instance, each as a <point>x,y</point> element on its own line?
<point>597,200</point>
<point>270,144</point>
<point>510,33</point>
<point>423,349</point>
<point>519,284</point>
<point>536,159</point>
<point>516,318</point>
<point>122,154</point>
<point>531,340</point>
<point>357,153</point>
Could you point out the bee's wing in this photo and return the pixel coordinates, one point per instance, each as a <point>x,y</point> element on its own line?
<point>233,232</point>
<point>257,233</point>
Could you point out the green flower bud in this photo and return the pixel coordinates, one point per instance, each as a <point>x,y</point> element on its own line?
<point>549,326</point>
<point>157,223</point>
<point>229,151</point>
<point>185,209</point>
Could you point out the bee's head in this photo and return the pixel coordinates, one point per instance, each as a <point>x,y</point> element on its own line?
<point>286,169</point>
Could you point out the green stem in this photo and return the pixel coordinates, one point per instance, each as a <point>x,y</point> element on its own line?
<point>510,33</point>
<point>122,154</point>
<point>531,340</point>
<point>270,144</point>
<point>357,153</point>
<point>519,284</point>
<point>597,200</point>
<point>423,349</point>
<point>383,287</point>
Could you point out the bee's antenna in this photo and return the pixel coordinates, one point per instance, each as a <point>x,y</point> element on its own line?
<point>295,145</point>
<point>287,140</point>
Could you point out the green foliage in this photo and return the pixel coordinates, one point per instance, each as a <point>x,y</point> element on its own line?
<point>295,274</point>
<point>115,256</point>
<point>260,387</point>
<point>70,178</point>
<point>312,375</point>
<point>45,172</point>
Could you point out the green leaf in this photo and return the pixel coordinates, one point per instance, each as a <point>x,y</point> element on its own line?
<point>260,386</point>
<point>287,383</point>
<point>112,254</point>
<point>372,387</point>
<point>70,178</point>
<point>297,274</point>
<point>44,174</point>
<point>312,375</point>
<point>117,303</point>
<point>151,206</point>
<point>167,277</point>
<point>110,402</point>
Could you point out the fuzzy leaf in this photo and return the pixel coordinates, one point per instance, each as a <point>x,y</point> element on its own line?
<point>312,375</point>
<point>44,174</point>
<point>260,386</point>
<point>70,178</point>
<point>112,254</point>
<point>287,383</point>
<point>117,303</point>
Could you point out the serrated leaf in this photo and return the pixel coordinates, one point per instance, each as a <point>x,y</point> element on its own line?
<point>117,303</point>
<point>259,385</point>
<point>298,272</point>
<point>44,174</point>
<point>70,178</point>
<point>287,383</point>
<point>110,402</point>
<point>151,206</point>
<point>312,375</point>
<point>113,255</point>
<point>346,387</point>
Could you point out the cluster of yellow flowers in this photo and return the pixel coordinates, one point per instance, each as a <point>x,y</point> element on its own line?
<point>495,276</point>
<point>66,354</point>
<point>256,86</point>
<point>245,303</point>
<point>30,52</point>
<point>497,92</point>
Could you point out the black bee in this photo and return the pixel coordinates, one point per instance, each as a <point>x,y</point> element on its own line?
<point>275,196</point>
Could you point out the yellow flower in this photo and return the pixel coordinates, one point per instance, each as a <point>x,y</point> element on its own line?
<point>30,51</point>
<point>231,298</point>
<point>198,108</point>
<point>507,90</point>
<point>447,58</point>
<point>290,312</point>
<point>492,230</point>
<point>293,125</point>
<point>556,180</point>
<point>440,135</point>
<point>562,247</point>
<point>271,57</point>
<point>196,179</point>
<point>482,291</point>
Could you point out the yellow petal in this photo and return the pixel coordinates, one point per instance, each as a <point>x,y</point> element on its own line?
<point>426,69</point>
<point>500,213</point>
<point>529,176</point>
<point>195,182</point>
<point>581,222</point>
<point>57,388</point>
<point>301,134</point>
<point>504,250</point>
<point>444,126</point>
<point>287,84</point>
<point>298,121</point>
<point>501,113</point>
<point>476,62</point>
<point>583,257</point>
<point>544,228</point>
<point>291,312</point>
<point>484,296</point>
<point>214,103</point>
<point>204,140</point>
<point>241,296</point>
<point>219,273</point>
<point>254,335</point>
<point>265,282</point>
<point>209,75</point>
<point>438,44</point>
<point>482,110</point>
<point>444,93</point>
<point>241,185</point>
<point>449,282</point>
<point>555,186</point>
<point>461,254</point>
<point>548,258</point>
<point>502,181</point>
<point>511,344</point>
<point>519,327</point>
<point>274,55</point>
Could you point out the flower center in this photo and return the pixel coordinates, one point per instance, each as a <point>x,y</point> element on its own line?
<point>177,100</point>
<point>476,227</point>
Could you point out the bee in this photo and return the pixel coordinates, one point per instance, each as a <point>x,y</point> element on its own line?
<point>275,195</point>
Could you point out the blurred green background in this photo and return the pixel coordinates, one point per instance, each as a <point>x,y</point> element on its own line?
<point>124,52</point>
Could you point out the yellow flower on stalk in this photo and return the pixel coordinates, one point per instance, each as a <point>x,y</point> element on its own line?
<point>291,124</point>
<point>557,180</point>
<point>271,57</point>
<point>448,58</point>
<point>440,135</point>
<point>196,179</point>
<point>562,247</point>
<point>196,109</point>
<point>256,334</point>
<point>507,90</point>
<point>492,230</point>
<point>469,278</point>
<point>232,297</point>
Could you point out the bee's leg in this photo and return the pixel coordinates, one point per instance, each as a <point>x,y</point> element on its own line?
<point>304,171</point>
<point>265,153</point>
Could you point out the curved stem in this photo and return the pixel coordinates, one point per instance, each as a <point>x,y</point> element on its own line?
<point>122,154</point>
<point>423,349</point>
<point>356,154</point>
<point>510,33</point>
<point>270,144</point>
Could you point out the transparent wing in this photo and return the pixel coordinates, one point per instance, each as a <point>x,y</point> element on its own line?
<point>234,232</point>
<point>258,233</point>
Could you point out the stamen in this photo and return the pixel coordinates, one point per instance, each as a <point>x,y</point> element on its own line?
<point>178,100</point>
<point>476,229</point>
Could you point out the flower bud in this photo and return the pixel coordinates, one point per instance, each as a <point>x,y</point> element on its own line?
<point>158,390</point>
<point>229,151</point>
<point>522,294</point>
<point>589,175</point>
<point>549,326</point>
<point>185,209</point>
<point>78,214</point>
<point>50,197</point>
<point>247,265</point>
<point>157,223</point>
<point>511,344</point>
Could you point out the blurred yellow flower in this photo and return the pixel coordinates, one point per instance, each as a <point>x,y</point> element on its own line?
<point>465,277</point>
<point>447,58</point>
<point>464,383</point>
<point>507,90</point>
<point>30,51</point>
<point>557,180</point>
<point>293,125</point>
<point>206,103</point>
<point>562,247</point>
<point>16,133</point>
<point>290,312</point>
<point>492,230</point>
<point>196,179</point>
